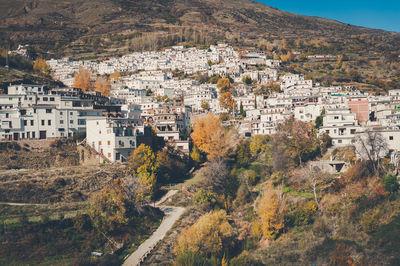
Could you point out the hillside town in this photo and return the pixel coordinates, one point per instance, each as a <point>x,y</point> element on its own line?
<point>150,96</point>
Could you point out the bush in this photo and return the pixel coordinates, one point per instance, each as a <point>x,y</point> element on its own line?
<point>192,258</point>
<point>204,197</point>
<point>390,184</point>
<point>301,215</point>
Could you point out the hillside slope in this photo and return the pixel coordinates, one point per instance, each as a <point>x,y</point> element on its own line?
<point>46,22</point>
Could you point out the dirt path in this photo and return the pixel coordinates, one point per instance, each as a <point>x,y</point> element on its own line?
<point>172,214</point>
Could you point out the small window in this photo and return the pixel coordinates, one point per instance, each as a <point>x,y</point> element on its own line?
<point>390,137</point>
<point>109,155</point>
<point>51,99</point>
<point>99,143</point>
<point>49,122</point>
<point>108,142</point>
<point>42,122</point>
<point>70,113</point>
<point>339,141</point>
<point>32,122</point>
<point>61,113</point>
<point>45,99</point>
<point>48,111</point>
<point>71,121</point>
<point>61,122</point>
<point>25,122</point>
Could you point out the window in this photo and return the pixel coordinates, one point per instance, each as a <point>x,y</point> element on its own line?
<point>7,115</point>
<point>49,122</point>
<point>99,143</point>
<point>70,113</point>
<point>32,122</point>
<point>25,122</point>
<point>45,99</point>
<point>108,142</point>
<point>339,141</point>
<point>71,121</point>
<point>336,117</point>
<point>51,99</point>
<point>33,134</point>
<point>109,155</point>
<point>390,137</point>
<point>42,122</point>
<point>353,131</point>
<point>61,113</point>
<point>61,122</point>
<point>48,111</point>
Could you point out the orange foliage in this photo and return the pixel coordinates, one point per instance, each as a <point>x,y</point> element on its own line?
<point>210,137</point>
<point>103,86</point>
<point>82,80</point>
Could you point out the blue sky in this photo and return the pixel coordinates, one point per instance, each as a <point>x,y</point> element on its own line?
<point>379,14</point>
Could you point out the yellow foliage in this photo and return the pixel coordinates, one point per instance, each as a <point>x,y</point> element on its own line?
<point>210,137</point>
<point>82,80</point>
<point>223,85</point>
<point>115,76</point>
<point>41,66</point>
<point>270,214</point>
<point>226,101</point>
<point>209,235</point>
<point>103,86</point>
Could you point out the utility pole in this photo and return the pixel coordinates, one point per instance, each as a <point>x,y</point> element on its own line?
<point>8,48</point>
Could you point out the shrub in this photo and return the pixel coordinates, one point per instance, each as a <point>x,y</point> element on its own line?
<point>210,235</point>
<point>205,197</point>
<point>302,215</point>
<point>370,221</point>
<point>390,184</point>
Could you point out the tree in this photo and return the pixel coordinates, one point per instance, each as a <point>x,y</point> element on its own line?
<point>247,80</point>
<point>211,138</point>
<point>224,85</point>
<point>300,140</point>
<point>82,80</point>
<point>371,147</point>
<point>226,101</point>
<point>115,76</point>
<point>103,86</point>
<point>205,105</point>
<point>271,213</point>
<point>41,66</point>
<point>320,119</point>
<point>210,235</point>
<point>111,207</point>
<point>144,167</point>
<point>390,184</point>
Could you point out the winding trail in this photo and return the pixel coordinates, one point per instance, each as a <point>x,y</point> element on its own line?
<point>172,214</point>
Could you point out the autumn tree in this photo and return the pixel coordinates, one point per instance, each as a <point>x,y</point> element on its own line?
<point>144,167</point>
<point>271,213</point>
<point>226,101</point>
<point>205,105</point>
<point>111,207</point>
<point>115,76</point>
<point>210,235</point>
<point>371,147</point>
<point>41,66</point>
<point>247,80</point>
<point>224,85</point>
<point>82,80</point>
<point>211,138</point>
<point>299,139</point>
<point>103,86</point>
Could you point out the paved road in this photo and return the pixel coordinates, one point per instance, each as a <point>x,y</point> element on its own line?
<point>172,214</point>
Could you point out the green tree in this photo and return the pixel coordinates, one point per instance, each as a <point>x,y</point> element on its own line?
<point>390,184</point>
<point>247,80</point>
